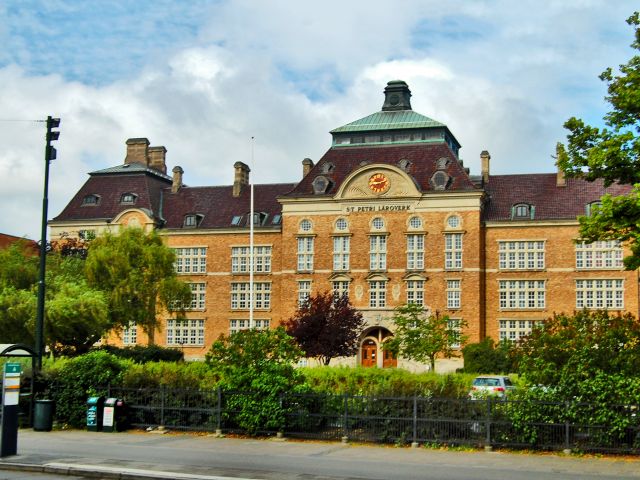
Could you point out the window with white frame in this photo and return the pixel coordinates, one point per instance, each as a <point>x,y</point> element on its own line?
<point>241,258</point>
<point>521,255</point>
<point>415,222</point>
<point>455,332</point>
<point>340,288</point>
<point>198,291</point>
<point>453,294</point>
<point>240,295</point>
<point>305,254</point>
<point>415,252</point>
<point>599,255</point>
<point>304,292</point>
<point>130,334</point>
<point>415,292</point>
<point>306,225</point>
<point>341,224</point>
<point>341,253</point>
<point>522,294</point>
<point>377,293</point>
<point>235,325</point>
<point>377,252</point>
<point>185,332</point>
<point>514,330</point>
<point>191,260</point>
<point>377,223</point>
<point>452,251</point>
<point>600,293</point>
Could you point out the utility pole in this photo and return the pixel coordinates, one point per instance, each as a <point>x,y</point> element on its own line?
<point>49,154</point>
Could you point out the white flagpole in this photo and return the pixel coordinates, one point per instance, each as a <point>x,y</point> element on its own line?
<point>252,220</point>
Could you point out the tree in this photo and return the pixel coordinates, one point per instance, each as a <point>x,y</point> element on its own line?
<point>257,367</point>
<point>422,337</point>
<point>487,357</point>
<point>18,266</point>
<point>326,327</point>
<point>612,154</point>
<point>136,272</point>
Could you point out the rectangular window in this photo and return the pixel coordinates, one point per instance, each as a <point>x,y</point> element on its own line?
<point>453,251</point>
<point>243,324</point>
<point>377,252</point>
<point>304,292</point>
<point>341,253</point>
<point>522,294</point>
<point>197,296</point>
<point>415,252</point>
<point>340,288</point>
<point>600,293</point>
<point>415,292</point>
<point>185,332</point>
<point>377,294</point>
<point>241,258</point>
<point>453,294</point>
<point>599,255</point>
<point>191,260</point>
<point>240,295</point>
<point>514,330</point>
<point>455,331</point>
<point>521,255</point>
<point>130,334</point>
<point>305,254</point>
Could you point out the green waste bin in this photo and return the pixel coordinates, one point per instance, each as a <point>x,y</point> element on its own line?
<point>94,413</point>
<point>43,415</point>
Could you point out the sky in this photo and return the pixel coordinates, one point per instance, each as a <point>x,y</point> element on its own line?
<point>202,77</point>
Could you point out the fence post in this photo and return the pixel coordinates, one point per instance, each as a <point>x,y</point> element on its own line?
<point>345,428</point>
<point>414,443</point>
<point>162,395</point>
<point>567,445</point>
<point>487,445</point>
<point>219,410</point>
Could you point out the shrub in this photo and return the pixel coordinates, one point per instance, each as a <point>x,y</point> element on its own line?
<point>145,353</point>
<point>487,357</point>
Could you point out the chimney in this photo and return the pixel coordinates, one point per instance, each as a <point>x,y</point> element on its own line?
<point>157,156</point>
<point>307,165</point>
<point>177,179</point>
<point>561,180</point>
<point>484,165</point>
<point>137,151</point>
<point>241,177</point>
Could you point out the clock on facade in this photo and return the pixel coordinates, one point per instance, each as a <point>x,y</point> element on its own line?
<point>379,183</point>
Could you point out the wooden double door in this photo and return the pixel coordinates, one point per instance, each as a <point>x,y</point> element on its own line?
<point>370,352</point>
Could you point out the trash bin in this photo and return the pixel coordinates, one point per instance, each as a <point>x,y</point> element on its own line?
<point>113,418</point>
<point>94,413</point>
<point>43,415</point>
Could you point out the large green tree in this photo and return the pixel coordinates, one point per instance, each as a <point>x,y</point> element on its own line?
<point>612,154</point>
<point>326,327</point>
<point>136,271</point>
<point>422,337</point>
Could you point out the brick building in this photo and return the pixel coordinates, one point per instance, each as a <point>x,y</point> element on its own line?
<point>388,215</point>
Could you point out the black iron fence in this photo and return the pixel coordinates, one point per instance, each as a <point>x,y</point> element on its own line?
<point>401,420</point>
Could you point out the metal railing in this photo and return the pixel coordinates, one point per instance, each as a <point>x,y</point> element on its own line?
<point>486,422</point>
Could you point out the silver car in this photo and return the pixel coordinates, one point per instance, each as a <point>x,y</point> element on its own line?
<point>493,385</point>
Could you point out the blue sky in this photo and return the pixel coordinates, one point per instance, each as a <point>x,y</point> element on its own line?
<point>202,77</point>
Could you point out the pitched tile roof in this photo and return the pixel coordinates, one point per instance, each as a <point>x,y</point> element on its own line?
<point>551,202</point>
<point>110,187</point>
<point>423,160</point>
<point>8,240</point>
<point>218,206</point>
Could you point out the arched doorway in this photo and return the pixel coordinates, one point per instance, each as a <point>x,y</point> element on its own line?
<point>371,353</point>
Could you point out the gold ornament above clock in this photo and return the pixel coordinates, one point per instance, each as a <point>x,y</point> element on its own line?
<point>379,183</point>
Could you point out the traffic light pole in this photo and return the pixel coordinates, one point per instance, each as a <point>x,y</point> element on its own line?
<point>49,154</point>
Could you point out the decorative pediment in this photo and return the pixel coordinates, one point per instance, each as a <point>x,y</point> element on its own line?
<point>378,181</point>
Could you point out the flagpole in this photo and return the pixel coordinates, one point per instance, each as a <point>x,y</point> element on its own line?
<point>251,222</point>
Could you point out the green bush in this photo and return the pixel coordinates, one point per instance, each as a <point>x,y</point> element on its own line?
<point>145,353</point>
<point>487,357</point>
<point>193,375</point>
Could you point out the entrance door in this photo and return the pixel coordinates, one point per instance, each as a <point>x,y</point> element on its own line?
<point>369,353</point>
<point>389,360</point>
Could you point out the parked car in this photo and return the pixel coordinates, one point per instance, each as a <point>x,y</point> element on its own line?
<point>494,385</point>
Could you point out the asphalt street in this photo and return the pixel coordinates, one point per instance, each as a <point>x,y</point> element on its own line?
<point>188,456</point>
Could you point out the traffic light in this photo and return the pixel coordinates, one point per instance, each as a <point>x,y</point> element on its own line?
<point>52,135</point>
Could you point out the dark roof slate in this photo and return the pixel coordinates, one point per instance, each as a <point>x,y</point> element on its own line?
<point>423,160</point>
<point>540,189</point>
<point>218,205</point>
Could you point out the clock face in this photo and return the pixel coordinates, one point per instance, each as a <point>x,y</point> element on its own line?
<point>378,183</point>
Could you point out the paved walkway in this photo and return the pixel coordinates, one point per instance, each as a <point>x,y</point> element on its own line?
<point>142,455</point>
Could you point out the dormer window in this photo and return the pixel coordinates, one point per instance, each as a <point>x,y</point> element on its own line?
<point>440,180</point>
<point>192,220</point>
<point>522,211</point>
<point>128,198</point>
<point>236,220</point>
<point>277,218</point>
<point>91,200</point>
<point>592,207</point>
<point>320,184</point>
<point>259,218</point>
<point>328,167</point>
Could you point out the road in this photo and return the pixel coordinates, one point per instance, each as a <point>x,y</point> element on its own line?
<point>209,457</point>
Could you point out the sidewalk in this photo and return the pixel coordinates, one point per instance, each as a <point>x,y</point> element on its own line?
<point>142,455</point>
